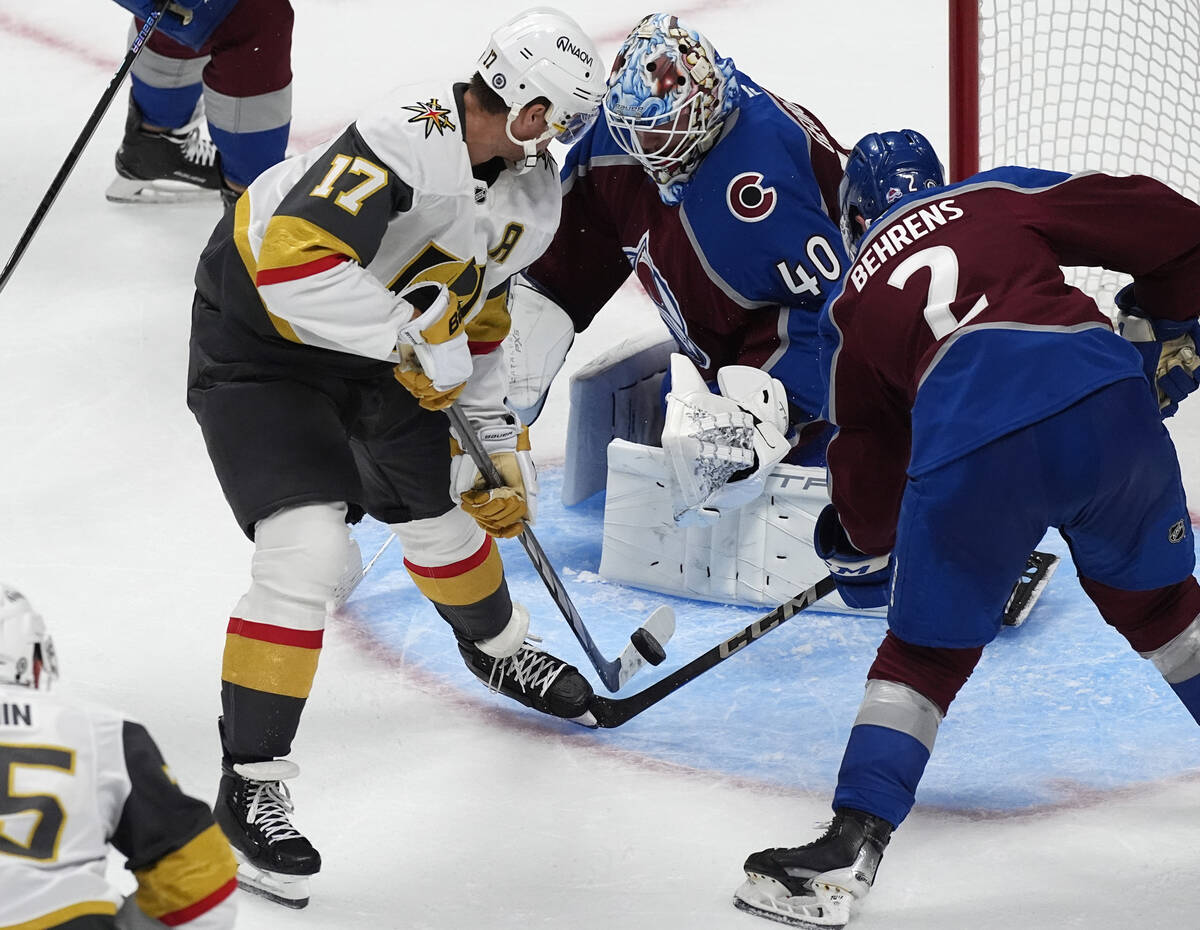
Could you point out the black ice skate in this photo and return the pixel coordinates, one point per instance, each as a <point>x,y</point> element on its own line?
<point>253,808</point>
<point>813,886</point>
<point>170,166</point>
<point>536,679</point>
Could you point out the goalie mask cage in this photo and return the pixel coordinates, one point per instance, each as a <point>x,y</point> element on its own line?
<point>1074,85</point>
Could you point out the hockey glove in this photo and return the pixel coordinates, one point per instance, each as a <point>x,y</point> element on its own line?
<point>500,511</point>
<point>721,447</point>
<point>862,580</point>
<point>1168,349</point>
<point>435,359</point>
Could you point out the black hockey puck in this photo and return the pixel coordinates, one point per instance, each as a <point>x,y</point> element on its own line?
<point>650,648</point>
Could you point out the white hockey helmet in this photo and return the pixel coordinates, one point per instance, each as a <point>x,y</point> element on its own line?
<point>27,655</point>
<point>544,53</point>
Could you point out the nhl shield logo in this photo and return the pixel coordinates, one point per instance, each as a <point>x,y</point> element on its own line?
<point>1177,532</point>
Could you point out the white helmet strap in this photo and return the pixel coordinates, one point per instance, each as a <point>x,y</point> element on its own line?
<point>529,146</point>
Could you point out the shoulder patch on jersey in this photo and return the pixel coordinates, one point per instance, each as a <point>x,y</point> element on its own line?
<point>748,199</point>
<point>434,114</point>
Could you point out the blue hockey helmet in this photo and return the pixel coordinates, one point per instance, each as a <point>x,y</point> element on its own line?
<point>884,167</point>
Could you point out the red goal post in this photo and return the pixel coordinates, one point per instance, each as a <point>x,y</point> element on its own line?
<point>1074,85</point>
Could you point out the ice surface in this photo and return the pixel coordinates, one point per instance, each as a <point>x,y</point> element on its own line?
<point>1064,767</point>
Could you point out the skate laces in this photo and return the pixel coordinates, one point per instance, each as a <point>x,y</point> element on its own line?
<point>530,668</point>
<point>198,149</point>
<point>270,804</point>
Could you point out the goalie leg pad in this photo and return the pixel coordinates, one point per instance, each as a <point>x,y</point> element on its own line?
<point>760,554</point>
<point>616,396</point>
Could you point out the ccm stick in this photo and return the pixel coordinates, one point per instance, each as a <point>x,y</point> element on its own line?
<point>612,712</point>
<point>645,643</point>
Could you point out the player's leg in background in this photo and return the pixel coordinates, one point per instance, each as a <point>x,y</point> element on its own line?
<point>163,155</point>
<point>1135,548</point>
<point>403,455</point>
<point>244,72</point>
<point>248,88</point>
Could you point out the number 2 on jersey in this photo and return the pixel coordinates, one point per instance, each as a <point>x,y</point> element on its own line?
<point>943,288</point>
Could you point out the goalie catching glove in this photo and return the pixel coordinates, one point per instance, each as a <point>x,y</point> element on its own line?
<point>500,511</point>
<point>862,580</point>
<point>1168,349</point>
<point>721,447</point>
<point>435,359</point>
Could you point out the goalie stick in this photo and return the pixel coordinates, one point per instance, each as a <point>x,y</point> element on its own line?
<point>612,712</point>
<point>85,136</point>
<point>654,632</point>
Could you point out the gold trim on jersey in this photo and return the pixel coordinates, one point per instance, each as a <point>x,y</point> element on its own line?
<point>241,238</point>
<point>199,868</point>
<point>462,277</point>
<point>61,916</point>
<point>492,323</point>
<point>290,241</point>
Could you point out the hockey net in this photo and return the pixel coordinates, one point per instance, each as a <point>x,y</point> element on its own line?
<point>1075,85</point>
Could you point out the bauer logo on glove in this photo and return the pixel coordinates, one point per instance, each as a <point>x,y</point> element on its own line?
<point>501,511</point>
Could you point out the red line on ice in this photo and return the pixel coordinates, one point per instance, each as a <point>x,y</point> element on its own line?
<point>44,37</point>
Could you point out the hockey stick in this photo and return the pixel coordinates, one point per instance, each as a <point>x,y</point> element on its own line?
<point>612,712</point>
<point>89,128</point>
<point>645,643</point>
<point>352,579</point>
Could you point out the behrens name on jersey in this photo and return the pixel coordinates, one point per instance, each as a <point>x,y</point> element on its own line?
<point>901,233</point>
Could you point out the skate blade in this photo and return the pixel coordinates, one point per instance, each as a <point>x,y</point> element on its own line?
<point>288,890</point>
<point>134,190</point>
<point>829,909</point>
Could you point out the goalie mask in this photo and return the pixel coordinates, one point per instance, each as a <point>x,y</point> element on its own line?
<point>27,654</point>
<point>668,96</point>
<point>883,169</point>
<point>544,53</point>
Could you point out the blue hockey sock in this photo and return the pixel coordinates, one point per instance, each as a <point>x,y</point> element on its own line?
<point>246,155</point>
<point>168,107</point>
<point>1189,693</point>
<point>880,771</point>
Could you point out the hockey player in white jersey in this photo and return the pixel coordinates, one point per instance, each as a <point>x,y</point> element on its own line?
<point>353,294</point>
<point>75,779</point>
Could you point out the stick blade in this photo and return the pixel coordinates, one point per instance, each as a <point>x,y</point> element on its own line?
<point>659,628</point>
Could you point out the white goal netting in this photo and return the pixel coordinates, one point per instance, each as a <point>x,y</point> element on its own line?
<point>1106,85</point>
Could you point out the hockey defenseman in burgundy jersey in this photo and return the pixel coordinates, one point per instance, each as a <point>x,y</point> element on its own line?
<point>978,401</point>
<point>719,196</point>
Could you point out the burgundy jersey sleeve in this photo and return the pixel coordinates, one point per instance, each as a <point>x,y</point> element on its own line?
<point>869,453</point>
<point>584,264</point>
<point>1118,223</point>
